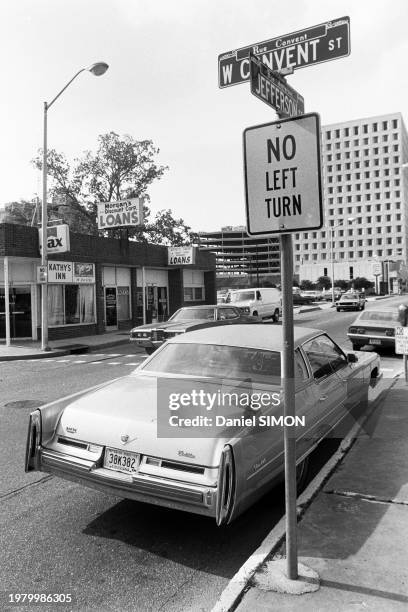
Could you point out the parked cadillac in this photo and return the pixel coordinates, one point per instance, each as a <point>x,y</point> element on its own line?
<point>107,437</point>
<point>189,318</point>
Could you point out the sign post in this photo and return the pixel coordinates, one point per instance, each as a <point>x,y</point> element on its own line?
<point>284,194</point>
<point>283,186</point>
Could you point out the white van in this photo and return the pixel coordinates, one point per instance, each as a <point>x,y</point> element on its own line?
<point>264,302</point>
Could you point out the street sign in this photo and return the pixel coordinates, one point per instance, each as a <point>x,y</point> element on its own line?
<point>321,43</point>
<point>377,268</point>
<point>401,340</point>
<point>283,186</point>
<point>270,87</point>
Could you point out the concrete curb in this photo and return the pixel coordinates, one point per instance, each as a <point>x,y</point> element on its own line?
<point>234,591</point>
<point>63,352</point>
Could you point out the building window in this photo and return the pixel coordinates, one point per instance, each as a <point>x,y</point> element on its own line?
<point>71,304</point>
<point>194,294</point>
<point>394,124</point>
<point>328,135</point>
<point>385,125</point>
<point>365,128</point>
<point>375,127</point>
<point>355,130</point>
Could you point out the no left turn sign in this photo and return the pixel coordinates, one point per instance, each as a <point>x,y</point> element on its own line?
<point>282,167</point>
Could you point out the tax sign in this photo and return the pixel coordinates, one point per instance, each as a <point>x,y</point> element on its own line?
<point>282,169</point>
<point>320,43</point>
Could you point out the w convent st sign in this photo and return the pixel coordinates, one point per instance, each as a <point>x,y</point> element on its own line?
<point>320,43</point>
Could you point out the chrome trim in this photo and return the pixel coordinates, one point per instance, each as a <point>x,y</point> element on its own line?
<point>33,442</point>
<point>122,484</point>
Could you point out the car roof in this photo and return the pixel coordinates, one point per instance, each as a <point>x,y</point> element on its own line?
<point>251,336</point>
<point>203,306</point>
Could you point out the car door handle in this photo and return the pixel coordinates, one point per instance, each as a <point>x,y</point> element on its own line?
<point>322,398</point>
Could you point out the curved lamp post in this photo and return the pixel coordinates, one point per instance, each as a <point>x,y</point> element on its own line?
<point>350,220</point>
<point>97,69</point>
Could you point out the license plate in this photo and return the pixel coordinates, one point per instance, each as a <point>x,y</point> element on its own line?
<point>375,341</point>
<point>121,461</point>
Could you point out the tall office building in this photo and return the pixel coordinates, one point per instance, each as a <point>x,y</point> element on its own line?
<point>365,201</point>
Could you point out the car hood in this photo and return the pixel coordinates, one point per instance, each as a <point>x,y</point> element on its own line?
<point>128,406</point>
<point>170,325</point>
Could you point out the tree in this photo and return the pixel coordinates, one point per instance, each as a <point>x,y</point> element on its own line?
<point>362,283</point>
<point>307,285</point>
<point>21,213</point>
<point>342,284</point>
<point>121,168</point>
<point>324,282</point>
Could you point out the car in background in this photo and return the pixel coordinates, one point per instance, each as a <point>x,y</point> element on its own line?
<point>115,437</point>
<point>337,294</point>
<point>316,295</point>
<point>374,327</point>
<point>263,302</point>
<point>152,335</point>
<point>351,301</point>
<point>299,297</point>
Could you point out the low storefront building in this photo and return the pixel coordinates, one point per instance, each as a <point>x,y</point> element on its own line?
<point>97,286</point>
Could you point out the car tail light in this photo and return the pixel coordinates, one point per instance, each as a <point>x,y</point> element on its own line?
<point>33,441</point>
<point>361,330</point>
<point>352,330</point>
<point>390,332</point>
<point>226,487</point>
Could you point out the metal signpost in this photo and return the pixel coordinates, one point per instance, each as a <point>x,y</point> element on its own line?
<point>272,88</point>
<point>283,185</point>
<point>284,194</point>
<point>321,43</point>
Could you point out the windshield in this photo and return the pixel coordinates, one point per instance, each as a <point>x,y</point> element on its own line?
<point>350,296</point>
<point>376,315</point>
<point>187,314</point>
<point>242,296</point>
<point>213,360</point>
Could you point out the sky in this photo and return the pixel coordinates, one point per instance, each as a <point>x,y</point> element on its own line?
<point>162,84</point>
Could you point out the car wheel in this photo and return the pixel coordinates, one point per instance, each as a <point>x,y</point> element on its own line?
<point>302,470</point>
<point>275,317</point>
<point>255,314</point>
<point>150,350</point>
<point>356,347</point>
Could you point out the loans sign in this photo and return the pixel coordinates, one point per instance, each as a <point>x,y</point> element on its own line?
<point>180,256</point>
<point>282,168</point>
<point>320,43</point>
<point>272,89</point>
<point>122,213</point>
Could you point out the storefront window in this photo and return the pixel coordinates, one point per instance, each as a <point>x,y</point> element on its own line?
<point>55,304</point>
<point>70,304</point>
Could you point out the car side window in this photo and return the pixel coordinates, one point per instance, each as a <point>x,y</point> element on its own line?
<point>227,314</point>
<point>324,356</point>
<point>258,295</point>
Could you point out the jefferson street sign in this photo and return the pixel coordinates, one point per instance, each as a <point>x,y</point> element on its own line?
<point>320,43</point>
<point>283,187</point>
<point>272,89</point>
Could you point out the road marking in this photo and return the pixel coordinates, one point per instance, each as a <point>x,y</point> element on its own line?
<point>79,361</point>
<point>114,363</point>
<point>61,360</point>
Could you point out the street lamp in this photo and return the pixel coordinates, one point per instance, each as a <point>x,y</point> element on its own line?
<point>350,220</point>
<point>97,69</point>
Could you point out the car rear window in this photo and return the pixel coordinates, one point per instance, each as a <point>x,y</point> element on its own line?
<point>377,315</point>
<point>242,296</point>
<point>214,360</point>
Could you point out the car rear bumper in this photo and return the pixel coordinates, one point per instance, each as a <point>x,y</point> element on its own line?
<point>195,498</point>
<point>363,339</point>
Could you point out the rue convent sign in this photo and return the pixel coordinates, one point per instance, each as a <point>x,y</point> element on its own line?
<point>283,187</point>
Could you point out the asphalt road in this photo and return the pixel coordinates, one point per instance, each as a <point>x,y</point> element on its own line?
<point>114,554</point>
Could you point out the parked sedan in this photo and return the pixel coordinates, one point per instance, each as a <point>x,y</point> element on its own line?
<point>189,318</point>
<point>139,436</point>
<point>375,327</point>
<point>351,301</point>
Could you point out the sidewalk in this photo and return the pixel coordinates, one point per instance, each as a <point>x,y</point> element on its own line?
<point>32,350</point>
<point>355,532</point>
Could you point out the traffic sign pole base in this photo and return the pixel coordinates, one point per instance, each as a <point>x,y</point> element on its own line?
<point>274,578</point>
